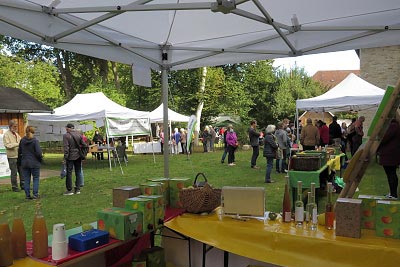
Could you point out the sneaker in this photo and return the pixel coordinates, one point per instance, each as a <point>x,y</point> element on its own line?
<point>77,191</point>
<point>270,182</point>
<point>231,164</point>
<point>16,190</point>
<point>28,198</point>
<point>389,196</point>
<point>68,193</point>
<point>35,197</point>
<point>255,167</point>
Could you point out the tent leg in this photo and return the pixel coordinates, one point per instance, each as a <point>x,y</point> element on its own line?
<point>164,75</point>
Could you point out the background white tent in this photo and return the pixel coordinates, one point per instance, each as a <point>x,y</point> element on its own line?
<point>157,115</point>
<point>171,35</point>
<point>351,94</point>
<point>95,107</point>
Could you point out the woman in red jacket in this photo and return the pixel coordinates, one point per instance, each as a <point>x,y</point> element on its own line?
<point>323,133</point>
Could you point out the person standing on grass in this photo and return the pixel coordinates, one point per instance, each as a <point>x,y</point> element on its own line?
<point>255,144</point>
<point>335,132</point>
<point>282,139</point>
<point>11,141</point>
<point>213,136</point>
<point>323,133</point>
<point>269,152</point>
<point>231,141</point>
<point>389,156</point>
<point>358,134</point>
<point>223,133</point>
<point>309,137</point>
<point>30,156</point>
<point>72,142</point>
<point>183,140</point>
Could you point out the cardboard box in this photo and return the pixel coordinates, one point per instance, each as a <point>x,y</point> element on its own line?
<point>175,185</point>
<point>165,187</point>
<point>88,240</point>
<point>368,210</point>
<point>158,209</point>
<point>348,217</point>
<point>120,194</point>
<point>138,263</point>
<point>155,257</point>
<point>122,224</point>
<point>388,218</point>
<point>145,206</point>
<point>151,189</point>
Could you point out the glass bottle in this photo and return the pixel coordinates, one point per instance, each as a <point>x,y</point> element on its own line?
<point>299,206</point>
<point>39,234</point>
<point>312,210</point>
<point>308,208</point>
<point>329,213</point>
<point>286,209</point>
<point>6,255</point>
<point>18,235</point>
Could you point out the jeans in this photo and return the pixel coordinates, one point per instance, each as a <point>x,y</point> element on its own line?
<point>14,171</point>
<point>254,156</point>
<point>77,165</point>
<point>392,178</point>
<point>224,154</point>
<point>270,162</point>
<point>35,173</point>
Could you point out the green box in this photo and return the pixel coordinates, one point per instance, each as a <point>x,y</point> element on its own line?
<point>121,223</point>
<point>175,185</point>
<point>388,218</point>
<point>165,186</point>
<point>145,206</point>
<point>139,263</point>
<point>368,210</point>
<point>151,189</point>
<point>158,209</point>
<point>155,257</point>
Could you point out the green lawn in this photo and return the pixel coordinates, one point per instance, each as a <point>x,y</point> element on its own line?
<point>99,181</point>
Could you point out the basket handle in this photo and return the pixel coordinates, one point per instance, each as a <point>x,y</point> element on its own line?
<point>202,182</point>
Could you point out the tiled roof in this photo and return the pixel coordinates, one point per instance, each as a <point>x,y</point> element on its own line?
<point>331,78</point>
<point>13,100</point>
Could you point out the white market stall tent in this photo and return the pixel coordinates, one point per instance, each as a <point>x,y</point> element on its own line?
<point>173,35</point>
<point>157,115</point>
<point>351,94</point>
<point>118,120</point>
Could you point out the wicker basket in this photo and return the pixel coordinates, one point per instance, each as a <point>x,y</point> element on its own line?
<point>200,199</point>
<point>306,163</point>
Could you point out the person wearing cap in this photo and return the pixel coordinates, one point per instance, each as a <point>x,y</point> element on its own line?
<point>11,141</point>
<point>309,137</point>
<point>72,142</point>
<point>254,137</point>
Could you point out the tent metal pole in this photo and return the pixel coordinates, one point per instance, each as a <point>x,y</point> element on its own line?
<point>297,126</point>
<point>108,143</point>
<point>164,80</point>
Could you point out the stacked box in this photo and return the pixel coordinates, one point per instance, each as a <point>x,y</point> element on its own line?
<point>348,217</point>
<point>158,208</point>
<point>120,194</point>
<point>151,189</point>
<point>165,186</point>
<point>145,206</point>
<point>175,185</point>
<point>388,218</point>
<point>121,223</point>
<point>368,210</point>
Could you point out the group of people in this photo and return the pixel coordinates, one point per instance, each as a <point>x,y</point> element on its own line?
<point>178,141</point>
<point>25,157</point>
<point>208,137</point>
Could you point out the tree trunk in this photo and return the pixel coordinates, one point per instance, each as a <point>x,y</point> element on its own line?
<point>64,68</point>
<point>200,106</point>
<point>117,82</point>
<point>103,70</point>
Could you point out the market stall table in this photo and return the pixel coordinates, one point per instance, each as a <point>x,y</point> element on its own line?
<point>284,244</point>
<point>148,147</point>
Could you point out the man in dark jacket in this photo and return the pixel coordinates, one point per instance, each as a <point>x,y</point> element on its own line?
<point>72,143</point>
<point>254,142</point>
<point>335,132</point>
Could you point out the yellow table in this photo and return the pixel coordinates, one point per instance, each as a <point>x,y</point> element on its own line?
<point>284,244</point>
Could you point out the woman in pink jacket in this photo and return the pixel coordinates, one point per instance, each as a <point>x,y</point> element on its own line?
<point>231,140</point>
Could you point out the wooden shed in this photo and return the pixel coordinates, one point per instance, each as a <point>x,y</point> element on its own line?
<point>14,103</point>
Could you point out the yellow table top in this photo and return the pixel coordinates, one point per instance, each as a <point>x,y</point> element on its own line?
<point>284,244</point>
<point>27,261</point>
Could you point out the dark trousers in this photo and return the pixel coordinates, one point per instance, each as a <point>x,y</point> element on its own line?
<point>77,165</point>
<point>393,180</point>
<point>224,154</point>
<point>256,151</point>
<point>231,154</point>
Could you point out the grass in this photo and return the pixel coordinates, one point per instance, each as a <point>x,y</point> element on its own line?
<point>99,182</point>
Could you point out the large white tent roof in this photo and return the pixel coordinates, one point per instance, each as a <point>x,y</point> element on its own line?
<point>92,106</point>
<point>351,94</point>
<point>180,34</point>
<point>157,115</point>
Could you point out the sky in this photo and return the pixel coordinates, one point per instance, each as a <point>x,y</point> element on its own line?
<point>345,60</point>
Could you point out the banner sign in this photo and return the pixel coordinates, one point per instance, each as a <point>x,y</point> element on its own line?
<point>191,126</point>
<point>123,127</point>
<point>4,168</point>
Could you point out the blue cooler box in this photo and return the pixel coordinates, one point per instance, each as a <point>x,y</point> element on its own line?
<point>88,240</point>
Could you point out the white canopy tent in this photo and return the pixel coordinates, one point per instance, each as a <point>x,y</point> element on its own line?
<point>179,34</point>
<point>96,107</point>
<point>351,94</point>
<point>157,115</point>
